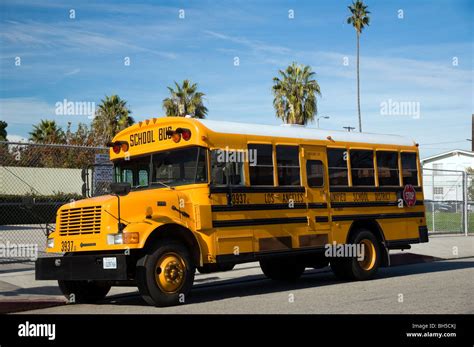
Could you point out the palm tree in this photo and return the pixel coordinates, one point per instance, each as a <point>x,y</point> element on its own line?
<point>185,100</point>
<point>359,19</point>
<point>47,131</point>
<point>112,116</point>
<point>295,94</point>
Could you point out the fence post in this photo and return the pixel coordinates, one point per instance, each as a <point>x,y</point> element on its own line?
<point>465,198</point>
<point>432,201</point>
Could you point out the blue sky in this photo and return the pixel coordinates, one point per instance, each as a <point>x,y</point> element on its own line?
<point>402,60</point>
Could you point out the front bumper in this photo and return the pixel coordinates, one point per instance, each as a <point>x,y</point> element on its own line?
<point>109,267</point>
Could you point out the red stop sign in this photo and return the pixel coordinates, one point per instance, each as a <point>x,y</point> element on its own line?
<point>409,195</point>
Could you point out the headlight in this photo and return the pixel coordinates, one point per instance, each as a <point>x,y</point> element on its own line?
<point>50,243</point>
<point>123,238</point>
<point>115,239</point>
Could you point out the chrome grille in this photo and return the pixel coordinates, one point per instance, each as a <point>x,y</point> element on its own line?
<point>80,221</point>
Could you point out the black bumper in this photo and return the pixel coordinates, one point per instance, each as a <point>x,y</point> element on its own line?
<point>82,267</point>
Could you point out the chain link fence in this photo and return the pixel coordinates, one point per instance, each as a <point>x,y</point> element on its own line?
<point>35,180</point>
<point>449,201</point>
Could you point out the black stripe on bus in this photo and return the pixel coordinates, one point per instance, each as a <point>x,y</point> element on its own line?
<point>370,189</point>
<point>322,219</point>
<point>313,205</point>
<point>258,189</point>
<point>368,204</point>
<point>257,207</point>
<point>260,221</point>
<point>262,207</point>
<point>378,216</point>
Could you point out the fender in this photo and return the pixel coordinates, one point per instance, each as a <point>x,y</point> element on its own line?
<point>148,227</point>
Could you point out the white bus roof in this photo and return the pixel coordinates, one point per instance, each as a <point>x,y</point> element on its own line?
<point>302,132</point>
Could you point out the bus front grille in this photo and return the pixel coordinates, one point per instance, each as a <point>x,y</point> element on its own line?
<point>80,221</point>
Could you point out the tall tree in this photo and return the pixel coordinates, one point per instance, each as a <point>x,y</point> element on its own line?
<point>185,100</point>
<point>359,19</point>
<point>112,116</point>
<point>47,131</point>
<point>295,94</point>
<point>3,130</point>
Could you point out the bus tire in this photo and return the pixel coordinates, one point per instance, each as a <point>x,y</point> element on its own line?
<point>84,292</point>
<point>282,270</point>
<point>165,275</point>
<point>360,270</point>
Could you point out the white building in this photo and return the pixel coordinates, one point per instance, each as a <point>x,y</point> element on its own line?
<point>443,175</point>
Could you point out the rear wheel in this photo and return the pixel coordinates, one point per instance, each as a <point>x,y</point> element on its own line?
<point>360,268</point>
<point>165,275</point>
<point>84,292</point>
<point>282,269</point>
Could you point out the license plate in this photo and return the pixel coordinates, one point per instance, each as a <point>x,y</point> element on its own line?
<point>110,262</point>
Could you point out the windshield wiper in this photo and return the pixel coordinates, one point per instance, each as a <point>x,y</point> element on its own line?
<point>163,184</point>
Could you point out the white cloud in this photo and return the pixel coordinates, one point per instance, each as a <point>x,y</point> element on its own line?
<point>16,138</point>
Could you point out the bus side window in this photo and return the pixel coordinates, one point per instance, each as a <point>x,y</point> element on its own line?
<point>288,165</point>
<point>409,168</point>
<point>337,165</point>
<point>362,167</point>
<point>127,176</point>
<point>227,167</point>
<point>143,177</point>
<point>387,168</point>
<point>261,171</point>
<point>315,173</point>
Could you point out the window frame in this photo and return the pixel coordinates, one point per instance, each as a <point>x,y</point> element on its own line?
<point>276,167</point>
<point>348,168</point>
<point>244,174</point>
<point>417,161</point>
<point>350,150</point>
<point>323,174</point>
<point>398,166</point>
<point>273,158</point>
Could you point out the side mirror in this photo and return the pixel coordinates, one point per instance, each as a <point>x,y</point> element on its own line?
<point>120,189</point>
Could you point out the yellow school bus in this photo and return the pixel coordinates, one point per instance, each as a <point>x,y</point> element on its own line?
<point>200,194</point>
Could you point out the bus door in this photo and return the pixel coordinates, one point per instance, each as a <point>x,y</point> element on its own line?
<point>316,182</point>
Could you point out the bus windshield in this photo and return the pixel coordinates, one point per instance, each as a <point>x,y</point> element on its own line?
<point>168,168</point>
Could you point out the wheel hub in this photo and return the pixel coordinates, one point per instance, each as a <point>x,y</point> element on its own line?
<point>170,272</point>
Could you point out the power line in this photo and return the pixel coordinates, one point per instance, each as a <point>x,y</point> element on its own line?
<point>441,143</point>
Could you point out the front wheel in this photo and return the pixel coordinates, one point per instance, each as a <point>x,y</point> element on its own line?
<point>84,292</point>
<point>165,275</point>
<point>363,266</point>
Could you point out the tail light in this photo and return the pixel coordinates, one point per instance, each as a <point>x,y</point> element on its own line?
<point>186,134</point>
<point>176,137</point>
<point>118,146</point>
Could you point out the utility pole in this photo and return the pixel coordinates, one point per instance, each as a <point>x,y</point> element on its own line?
<point>349,129</point>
